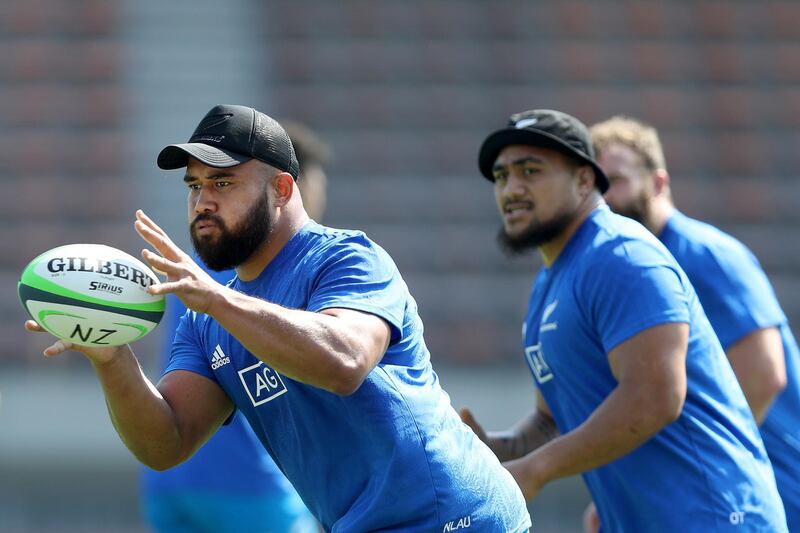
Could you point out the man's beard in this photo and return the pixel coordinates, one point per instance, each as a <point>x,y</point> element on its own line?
<point>232,247</point>
<point>637,209</point>
<point>534,235</point>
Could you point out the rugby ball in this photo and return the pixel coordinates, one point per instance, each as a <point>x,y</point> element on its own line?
<point>91,294</point>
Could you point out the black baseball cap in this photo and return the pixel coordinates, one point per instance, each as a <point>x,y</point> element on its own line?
<point>546,128</point>
<point>230,135</point>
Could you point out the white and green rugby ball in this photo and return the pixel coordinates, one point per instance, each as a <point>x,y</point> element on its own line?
<point>91,294</point>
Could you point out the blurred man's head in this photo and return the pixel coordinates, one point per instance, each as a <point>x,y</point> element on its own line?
<point>312,154</point>
<point>630,153</point>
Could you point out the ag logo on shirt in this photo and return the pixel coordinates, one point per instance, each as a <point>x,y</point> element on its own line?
<point>539,367</point>
<point>262,383</point>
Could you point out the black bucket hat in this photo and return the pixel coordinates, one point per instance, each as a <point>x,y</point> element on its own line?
<point>546,128</point>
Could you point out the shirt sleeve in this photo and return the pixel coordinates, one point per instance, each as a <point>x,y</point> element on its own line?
<point>360,275</point>
<point>737,295</point>
<point>186,352</point>
<point>633,288</point>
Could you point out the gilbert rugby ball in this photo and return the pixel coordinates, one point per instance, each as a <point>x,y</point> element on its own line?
<point>91,294</point>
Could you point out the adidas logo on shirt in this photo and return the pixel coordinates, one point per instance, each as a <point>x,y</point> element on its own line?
<point>219,358</point>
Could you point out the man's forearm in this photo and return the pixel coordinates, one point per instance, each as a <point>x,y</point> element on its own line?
<point>314,348</point>
<point>528,435</point>
<point>618,426</point>
<point>760,366</point>
<point>142,418</point>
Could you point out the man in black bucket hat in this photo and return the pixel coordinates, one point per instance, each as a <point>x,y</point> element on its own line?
<point>646,408</point>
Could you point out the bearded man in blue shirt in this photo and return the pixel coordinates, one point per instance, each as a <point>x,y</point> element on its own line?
<point>317,342</point>
<point>633,389</point>
<point>733,289</point>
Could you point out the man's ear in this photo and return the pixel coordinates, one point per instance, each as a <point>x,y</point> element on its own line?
<point>586,178</point>
<point>283,186</point>
<point>660,181</point>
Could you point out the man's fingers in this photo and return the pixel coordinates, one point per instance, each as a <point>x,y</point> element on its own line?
<point>468,419</point>
<point>148,222</point>
<point>466,416</point>
<point>59,347</point>
<point>166,287</point>
<point>155,236</point>
<point>161,264</point>
<point>158,241</point>
<point>591,521</point>
<point>154,228</point>
<point>31,325</point>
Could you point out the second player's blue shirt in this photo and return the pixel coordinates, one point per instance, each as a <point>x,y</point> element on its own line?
<point>708,470</point>
<point>739,299</point>
<point>392,456</point>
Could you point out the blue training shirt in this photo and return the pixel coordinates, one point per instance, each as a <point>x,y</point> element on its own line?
<point>739,299</point>
<point>394,455</point>
<point>708,470</point>
<point>233,461</point>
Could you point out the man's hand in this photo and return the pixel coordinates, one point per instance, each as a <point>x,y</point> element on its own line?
<point>591,521</point>
<point>97,355</point>
<point>526,475</point>
<point>518,467</point>
<point>469,419</point>
<point>196,289</point>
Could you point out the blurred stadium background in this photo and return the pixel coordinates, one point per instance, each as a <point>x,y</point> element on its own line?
<point>404,92</point>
